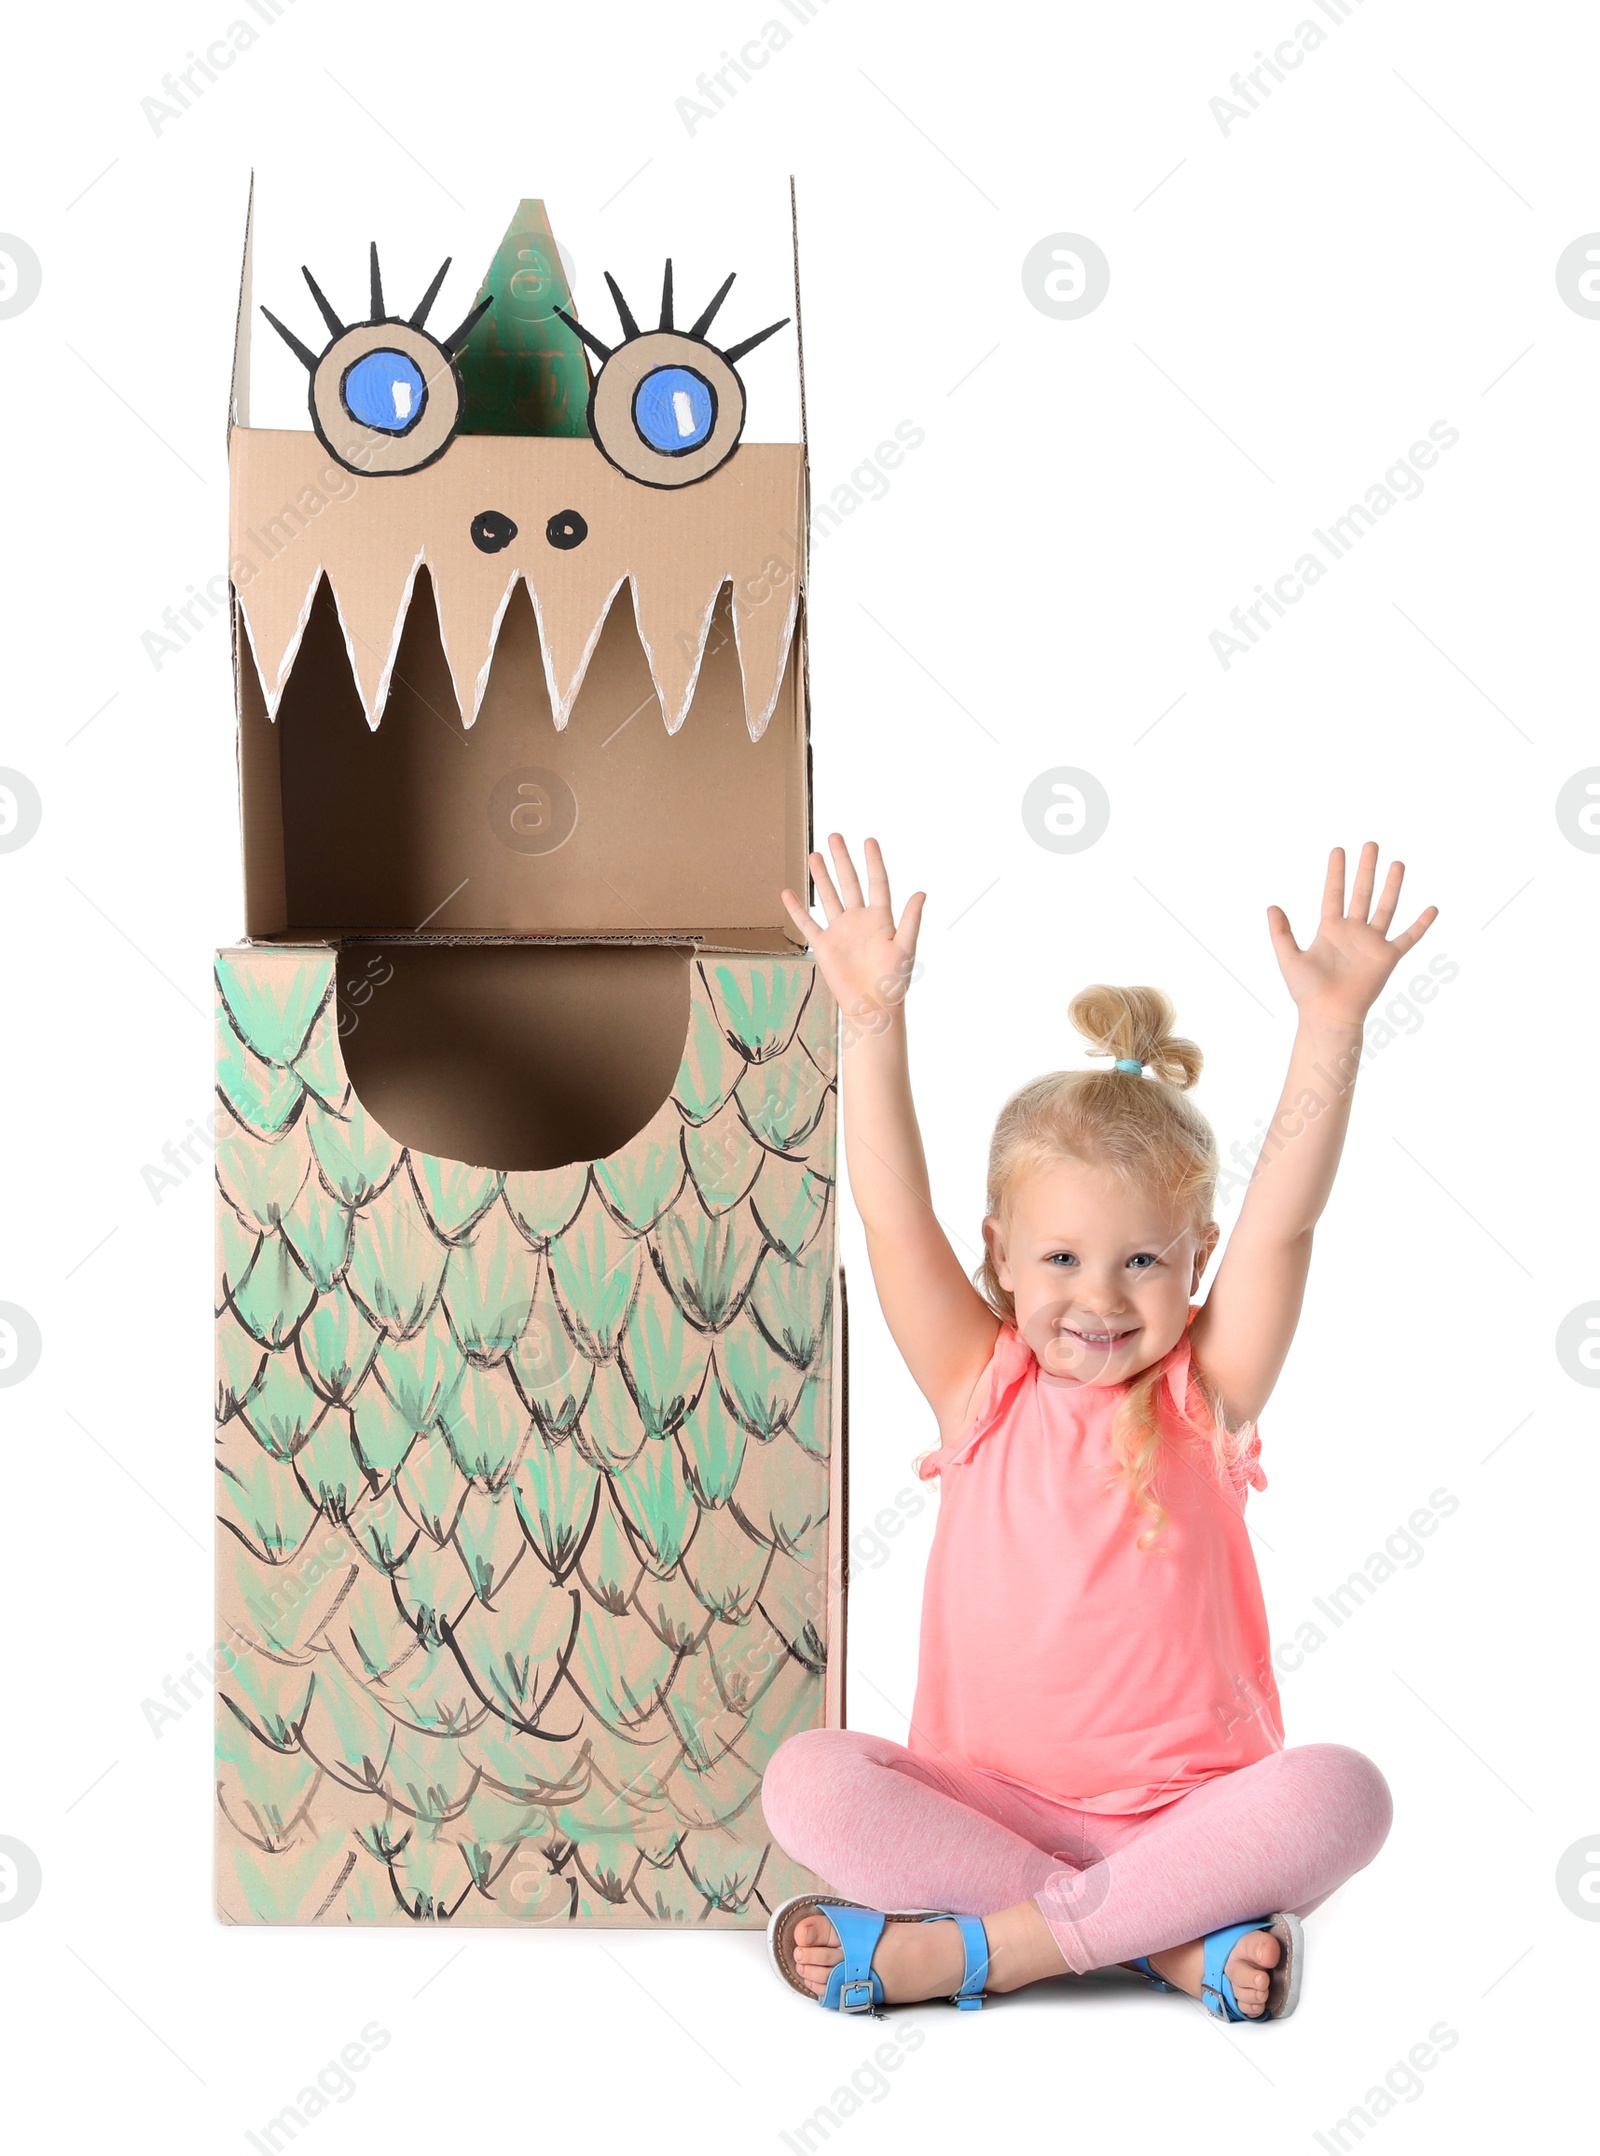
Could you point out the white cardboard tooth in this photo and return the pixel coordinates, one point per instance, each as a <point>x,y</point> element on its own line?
<point>674,640</point>
<point>567,645</point>
<point>763,630</point>
<point>275,617</point>
<point>373,623</point>
<point>470,615</point>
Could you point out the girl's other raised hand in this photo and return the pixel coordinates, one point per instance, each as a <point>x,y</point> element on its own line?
<point>1341,973</point>
<point>866,958</point>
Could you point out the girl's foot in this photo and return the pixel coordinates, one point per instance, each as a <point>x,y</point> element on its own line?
<point>1249,1969</point>
<point>927,1961</point>
<point>915,1961</point>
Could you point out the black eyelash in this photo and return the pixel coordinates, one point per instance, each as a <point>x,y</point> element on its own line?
<point>336,328</point>
<point>631,329</point>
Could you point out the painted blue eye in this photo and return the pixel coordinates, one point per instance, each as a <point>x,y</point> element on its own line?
<point>674,410</point>
<point>385,390</point>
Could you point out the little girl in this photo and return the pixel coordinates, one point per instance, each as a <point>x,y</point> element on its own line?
<point>1096,1772</point>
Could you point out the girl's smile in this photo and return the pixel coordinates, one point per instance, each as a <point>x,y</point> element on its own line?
<point>1101,1272</point>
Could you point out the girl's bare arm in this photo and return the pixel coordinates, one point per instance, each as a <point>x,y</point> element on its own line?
<point>1242,1335</point>
<point>940,1323</point>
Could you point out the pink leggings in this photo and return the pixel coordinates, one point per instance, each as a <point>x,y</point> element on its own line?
<point>896,1830</point>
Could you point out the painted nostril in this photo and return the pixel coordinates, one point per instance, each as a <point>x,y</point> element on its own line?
<point>566,529</point>
<point>492,530</point>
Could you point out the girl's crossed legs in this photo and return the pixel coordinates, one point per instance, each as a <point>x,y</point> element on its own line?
<point>896,1830</point>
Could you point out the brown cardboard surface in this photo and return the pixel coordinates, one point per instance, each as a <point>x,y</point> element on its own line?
<point>529,1552</point>
<point>296,516</point>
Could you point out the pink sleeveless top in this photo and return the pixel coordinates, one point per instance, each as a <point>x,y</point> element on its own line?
<point>1057,1654</point>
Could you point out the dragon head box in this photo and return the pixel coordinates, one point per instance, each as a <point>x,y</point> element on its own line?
<point>488,594</point>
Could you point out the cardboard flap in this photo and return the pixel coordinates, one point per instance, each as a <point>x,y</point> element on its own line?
<point>239,389</point>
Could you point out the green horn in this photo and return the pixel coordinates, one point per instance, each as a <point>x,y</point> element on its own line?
<point>523,370</point>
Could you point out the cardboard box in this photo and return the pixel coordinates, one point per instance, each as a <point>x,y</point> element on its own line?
<point>530,1384</point>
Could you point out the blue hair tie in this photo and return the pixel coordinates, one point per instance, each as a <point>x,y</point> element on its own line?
<point>1128,1063</point>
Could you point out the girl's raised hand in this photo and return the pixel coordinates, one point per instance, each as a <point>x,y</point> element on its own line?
<point>1340,974</point>
<point>865,958</point>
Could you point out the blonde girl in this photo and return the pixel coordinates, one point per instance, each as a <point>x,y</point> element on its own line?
<point>1096,1771</point>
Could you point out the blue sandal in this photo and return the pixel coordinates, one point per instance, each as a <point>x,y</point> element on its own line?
<point>854,1986</point>
<point>1216,1991</point>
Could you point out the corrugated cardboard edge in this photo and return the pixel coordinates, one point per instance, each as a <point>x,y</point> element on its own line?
<point>261,840</point>
<point>799,323</point>
<point>801,642</point>
<point>239,385</point>
<point>835,1700</point>
<point>834,1703</point>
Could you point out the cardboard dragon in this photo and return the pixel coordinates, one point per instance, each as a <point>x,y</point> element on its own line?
<point>528,1314</point>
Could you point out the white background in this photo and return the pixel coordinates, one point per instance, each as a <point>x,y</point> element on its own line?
<point>1292,303</point>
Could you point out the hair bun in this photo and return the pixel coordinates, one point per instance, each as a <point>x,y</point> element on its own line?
<point>1134,1025</point>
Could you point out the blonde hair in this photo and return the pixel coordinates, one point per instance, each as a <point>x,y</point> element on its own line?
<point>1142,1126</point>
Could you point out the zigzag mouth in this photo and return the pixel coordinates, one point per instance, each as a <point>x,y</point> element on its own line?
<point>424,827</point>
<point>311,670</point>
<point>549,515</point>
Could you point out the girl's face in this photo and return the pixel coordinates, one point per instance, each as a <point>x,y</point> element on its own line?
<point>1101,1273</point>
